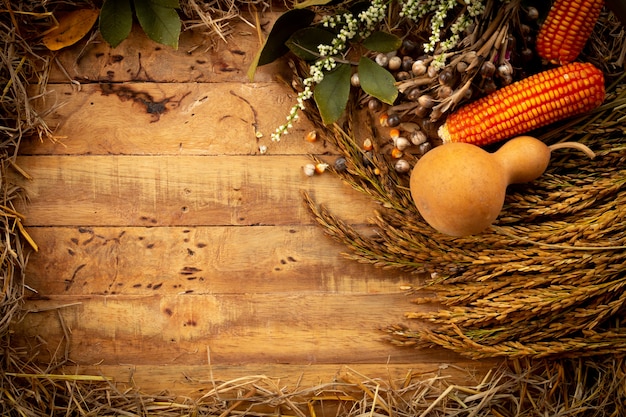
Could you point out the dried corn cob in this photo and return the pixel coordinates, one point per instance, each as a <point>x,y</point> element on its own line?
<point>567,28</point>
<point>530,103</point>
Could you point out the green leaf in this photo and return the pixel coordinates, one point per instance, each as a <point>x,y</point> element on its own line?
<point>382,42</point>
<point>331,94</point>
<point>172,4</point>
<point>304,42</point>
<point>161,23</point>
<point>285,26</point>
<point>377,81</point>
<point>274,46</point>
<point>116,21</point>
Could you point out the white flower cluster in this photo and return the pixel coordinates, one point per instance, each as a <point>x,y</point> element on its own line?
<point>363,24</point>
<point>417,9</point>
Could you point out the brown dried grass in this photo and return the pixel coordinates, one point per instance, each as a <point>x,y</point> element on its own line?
<point>591,386</point>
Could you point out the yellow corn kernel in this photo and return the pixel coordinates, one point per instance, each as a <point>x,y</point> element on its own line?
<point>566,29</point>
<point>527,104</point>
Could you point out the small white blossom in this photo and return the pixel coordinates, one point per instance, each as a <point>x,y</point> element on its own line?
<point>350,26</point>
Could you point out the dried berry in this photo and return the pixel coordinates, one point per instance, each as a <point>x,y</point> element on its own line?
<point>403,75</point>
<point>407,63</point>
<point>421,111</point>
<point>394,64</point>
<point>340,164</point>
<point>426,101</point>
<point>487,69</point>
<point>393,120</point>
<point>413,94</point>
<point>374,104</point>
<point>402,166</point>
<point>401,143</point>
<point>382,59</point>
<point>354,80</point>
<point>418,137</point>
<point>418,68</point>
<point>446,77</point>
<point>408,47</point>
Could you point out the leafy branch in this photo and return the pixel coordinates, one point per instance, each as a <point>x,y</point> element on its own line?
<point>325,45</point>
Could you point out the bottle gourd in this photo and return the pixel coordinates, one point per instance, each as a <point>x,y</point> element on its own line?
<point>459,188</point>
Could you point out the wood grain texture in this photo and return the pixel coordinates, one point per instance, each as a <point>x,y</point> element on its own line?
<point>174,190</point>
<point>199,260</point>
<point>169,118</point>
<point>200,57</point>
<point>289,328</point>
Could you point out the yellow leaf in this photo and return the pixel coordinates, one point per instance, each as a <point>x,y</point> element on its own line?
<point>72,27</point>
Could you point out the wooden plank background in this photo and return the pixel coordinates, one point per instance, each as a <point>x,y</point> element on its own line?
<point>170,246</point>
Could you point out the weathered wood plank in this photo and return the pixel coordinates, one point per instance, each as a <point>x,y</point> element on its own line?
<point>200,57</point>
<point>180,191</point>
<point>295,328</point>
<point>172,119</point>
<point>198,260</point>
<point>196,380</point>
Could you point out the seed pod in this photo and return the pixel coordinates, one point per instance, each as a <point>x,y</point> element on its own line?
<point>394,133</point>
<point>401,143</point>
<point>432,71</point>
<point>354,80</point>
<point>490,86</point>
<point>413,94</point>
<point>425,147</point>
<point>407,63</point>
<point>444,92</point>
<point>382,59</point>
<point>418,68</point>
<point>426,101</point>
<point>446,77</point>
<point>374,104</point>
<point>487,69</point>
<point>418,137</point>
<point>309,170</point>
<point>505,69</point>
<point>461,66</point>
<point>402,166</point>
<point>394,64</point>
<point>402,76</point>
<point>396,153</point>
<point>340,164</point>
<point>320,168</point>
<point>421,111</point>
<point>408,47</point>
<point>532,13</point>
<point>393,120</point>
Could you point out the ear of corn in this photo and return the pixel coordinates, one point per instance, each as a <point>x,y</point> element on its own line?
<point>566,29</point>
<point>527,104</point>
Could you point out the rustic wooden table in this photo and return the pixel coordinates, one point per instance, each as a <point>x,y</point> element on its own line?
<point>172,250</point>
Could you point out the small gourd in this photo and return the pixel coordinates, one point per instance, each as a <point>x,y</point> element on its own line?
<point>459,188</point>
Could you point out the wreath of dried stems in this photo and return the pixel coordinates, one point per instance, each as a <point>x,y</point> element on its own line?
<point>568,249</point>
